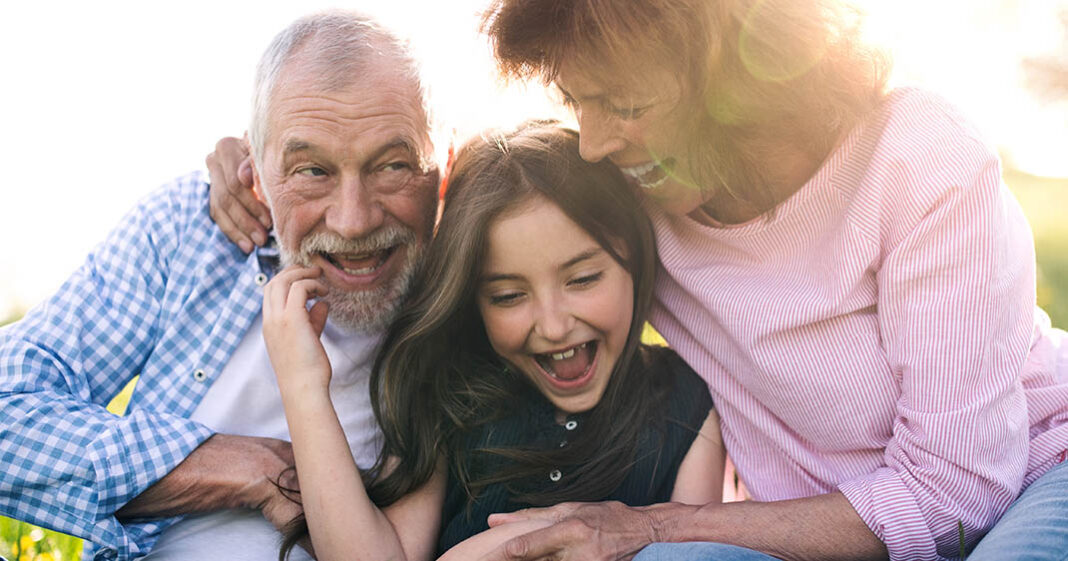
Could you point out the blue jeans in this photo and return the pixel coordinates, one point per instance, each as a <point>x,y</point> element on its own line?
<point>1036,525</point>
<point>699,551</point>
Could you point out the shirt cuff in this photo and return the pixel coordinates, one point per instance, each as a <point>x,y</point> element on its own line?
<point>885,504</point>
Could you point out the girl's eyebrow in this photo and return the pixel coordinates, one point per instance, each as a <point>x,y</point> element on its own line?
<point>582,256</point>
<point>579,258</point>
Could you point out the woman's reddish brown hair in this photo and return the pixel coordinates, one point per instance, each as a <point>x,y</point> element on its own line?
<point>793,70</point>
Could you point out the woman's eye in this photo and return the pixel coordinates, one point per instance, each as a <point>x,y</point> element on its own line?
<point>312,171</point>
<point>628,113</point>
<point>586,280</point>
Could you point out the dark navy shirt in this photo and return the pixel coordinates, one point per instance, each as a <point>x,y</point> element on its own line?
<point>662,446</point>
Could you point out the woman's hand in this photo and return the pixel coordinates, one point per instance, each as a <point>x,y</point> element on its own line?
<point>609,531</point>
<point>232,204</point>
<point>292,330</point>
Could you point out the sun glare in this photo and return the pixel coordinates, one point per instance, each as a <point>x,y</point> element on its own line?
<point>120,96</point>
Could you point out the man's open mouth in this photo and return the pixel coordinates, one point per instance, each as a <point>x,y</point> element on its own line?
<point>568,364</point>
<point>359,263</point>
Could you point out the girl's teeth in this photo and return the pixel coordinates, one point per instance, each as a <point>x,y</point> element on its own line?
<point>566,354</point>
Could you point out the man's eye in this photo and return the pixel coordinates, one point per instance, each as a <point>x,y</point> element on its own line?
<point>312,171</point>
<point>397,166</point>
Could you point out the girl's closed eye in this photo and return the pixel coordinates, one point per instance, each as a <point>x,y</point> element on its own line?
<point>586,280</point>
<point>505,299</point>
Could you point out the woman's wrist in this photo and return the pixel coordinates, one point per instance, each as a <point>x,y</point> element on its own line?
<point>671,522</point>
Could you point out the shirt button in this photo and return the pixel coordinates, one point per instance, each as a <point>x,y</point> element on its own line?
<point>199,375</point>
<point>555,475</point>
<point>563,443</point>
<point>261,279</point>
<point>570,425</point>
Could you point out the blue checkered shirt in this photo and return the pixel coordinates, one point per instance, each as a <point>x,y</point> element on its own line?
<point>166,296</point>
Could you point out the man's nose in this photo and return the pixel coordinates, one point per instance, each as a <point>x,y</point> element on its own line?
<point>554,320</point>
<point>598,138</point>
<point>355,210</point>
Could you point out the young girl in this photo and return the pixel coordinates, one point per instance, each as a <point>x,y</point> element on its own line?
<point>513,377</point>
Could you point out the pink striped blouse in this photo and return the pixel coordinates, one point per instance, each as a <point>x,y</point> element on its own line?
<point>879,335</point>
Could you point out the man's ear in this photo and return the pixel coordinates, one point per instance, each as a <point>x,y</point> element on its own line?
<point>257,185</point>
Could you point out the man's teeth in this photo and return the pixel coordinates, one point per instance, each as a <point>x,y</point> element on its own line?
<point>363,271</point>
<point>374,258</point>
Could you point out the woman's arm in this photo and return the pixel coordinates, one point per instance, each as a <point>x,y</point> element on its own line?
<point>232,203</point>
<point>343,522</point>
<point>824,527</point>
<point>700,477</point>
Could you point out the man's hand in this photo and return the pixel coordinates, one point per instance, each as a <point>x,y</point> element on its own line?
<point>232,203</point>
<point>609,531</point>
<point>224,472</point>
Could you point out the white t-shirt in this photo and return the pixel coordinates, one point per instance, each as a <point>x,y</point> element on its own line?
<point>245,400</point>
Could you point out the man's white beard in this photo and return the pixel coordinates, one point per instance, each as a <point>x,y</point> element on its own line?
<point>372,310</point>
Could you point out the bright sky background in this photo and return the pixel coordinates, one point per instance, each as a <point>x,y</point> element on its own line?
<point>102,102</point>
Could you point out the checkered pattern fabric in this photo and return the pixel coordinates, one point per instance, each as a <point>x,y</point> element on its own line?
<point>166,296</point>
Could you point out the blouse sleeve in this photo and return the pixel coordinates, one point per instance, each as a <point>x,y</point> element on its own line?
<point>955,307</point>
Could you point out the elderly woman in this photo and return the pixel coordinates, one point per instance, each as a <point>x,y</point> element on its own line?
<point>841,263</point>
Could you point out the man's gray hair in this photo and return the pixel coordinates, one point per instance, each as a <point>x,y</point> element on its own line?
<point>341,45</point>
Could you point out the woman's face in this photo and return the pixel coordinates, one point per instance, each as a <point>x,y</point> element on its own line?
<point>640,127</point>
<point>556,306</point>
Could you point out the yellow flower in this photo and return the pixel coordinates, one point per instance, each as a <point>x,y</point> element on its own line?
<point>46,556</point>
<point>26,542</point>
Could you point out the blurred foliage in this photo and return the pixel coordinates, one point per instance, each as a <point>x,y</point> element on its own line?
<point>1045,202</point>
<point>24,542</point>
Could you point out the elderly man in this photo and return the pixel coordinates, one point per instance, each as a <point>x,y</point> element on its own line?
<point>341,151</point>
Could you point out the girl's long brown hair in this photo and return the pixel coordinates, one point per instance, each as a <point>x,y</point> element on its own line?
<point>436,378</point>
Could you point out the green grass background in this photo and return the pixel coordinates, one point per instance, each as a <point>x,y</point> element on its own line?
<point>1045,201</point>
